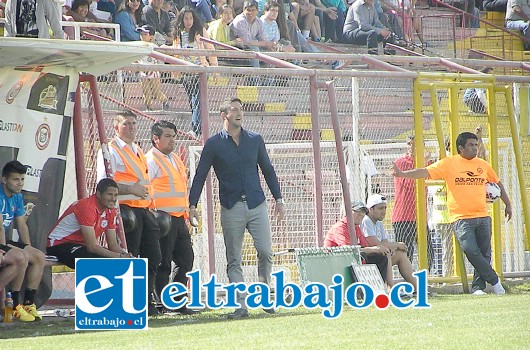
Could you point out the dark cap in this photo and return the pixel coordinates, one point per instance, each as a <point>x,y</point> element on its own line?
<point>146,29</point>
<point>358,205</point>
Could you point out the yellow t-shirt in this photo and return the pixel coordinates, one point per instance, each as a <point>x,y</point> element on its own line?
<point>466,185</point>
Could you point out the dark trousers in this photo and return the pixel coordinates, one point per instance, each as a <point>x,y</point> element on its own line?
<point>143,241</point>
<point>406,232</point>
<point>474,236</point>
<point>66,253</point>
<point>175,247</point>
<point>333,28</point>
<point>361,37</point>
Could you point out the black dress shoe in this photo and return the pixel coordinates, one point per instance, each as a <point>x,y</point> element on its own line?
<point>238,314</point>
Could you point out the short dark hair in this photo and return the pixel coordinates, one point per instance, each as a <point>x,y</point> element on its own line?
<point>104,184</point>
<point>250,3</point>
<point>13,167</point>
<point>77,3</point>
<point>157,128</point>
<point>225,105</point>
<point>270,4</point>
<point>463,137</point>
<point>123,114</point>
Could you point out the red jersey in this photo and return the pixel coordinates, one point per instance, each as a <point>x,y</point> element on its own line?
<point>338,235</point>
<point>405,192</point>
<point>85,212</point>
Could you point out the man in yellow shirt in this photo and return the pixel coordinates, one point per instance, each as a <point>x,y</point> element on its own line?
<point>466,176</point>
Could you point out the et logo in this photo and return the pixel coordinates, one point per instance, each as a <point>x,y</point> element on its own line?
<point>110,294</point>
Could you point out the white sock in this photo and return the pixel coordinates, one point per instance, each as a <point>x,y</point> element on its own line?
<point>305,33</point>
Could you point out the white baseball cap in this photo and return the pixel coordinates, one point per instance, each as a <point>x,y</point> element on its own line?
<point>374,200</point>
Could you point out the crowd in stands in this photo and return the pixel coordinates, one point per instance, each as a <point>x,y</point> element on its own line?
<point>246,23</point>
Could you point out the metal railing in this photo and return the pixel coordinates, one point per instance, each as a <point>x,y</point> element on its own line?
<point>78,25</point>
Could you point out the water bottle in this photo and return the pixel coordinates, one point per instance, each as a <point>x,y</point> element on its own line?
<point>62,313</point>
<point>8,311</point>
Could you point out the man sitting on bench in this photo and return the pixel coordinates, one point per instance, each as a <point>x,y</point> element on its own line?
<point>379,255</point>
<point>77,233</point>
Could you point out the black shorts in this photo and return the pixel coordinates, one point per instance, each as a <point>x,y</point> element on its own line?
<point>4,248</point>
<point>66,253</point>
<point>17,244</point>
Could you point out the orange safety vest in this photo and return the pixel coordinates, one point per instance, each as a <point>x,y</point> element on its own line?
<point>135,170</point>
<point>170,189</point>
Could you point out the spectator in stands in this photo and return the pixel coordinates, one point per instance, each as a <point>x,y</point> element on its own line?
<point>80,7</point>
<point>387,14</point>
<point>128,167</point>
<point>203,9</point>
<point>289,30</point>
<point>410,21</point>
<point>219,29</point>
<point>334,21</point>
<point>338,235</point>
<point>327,18</point>
<point>216,7</point>
<point>14,215</point>
<point>187,31</point>
<point>495,5</point>
<point>30,18</point>
<point>107,6</point>
<point>475,98</point>
<point>77,232</point>
<point>271,30</point>
<point>151,85</point>
<point>465,176</point>
<point>129,17</point>
<point>374,231</point>
<point>170,9</point>
<point>157,18</point>
<point>250,29</point>
<point>235,155</point>
<point>404,213</point>
<point>362,26</point>
<point>518,17</point>
<point>303,16</point>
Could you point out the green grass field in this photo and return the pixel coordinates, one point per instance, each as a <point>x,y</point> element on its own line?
<point>454,321</point>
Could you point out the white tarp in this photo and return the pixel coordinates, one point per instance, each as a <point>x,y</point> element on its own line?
<point>94,57</point>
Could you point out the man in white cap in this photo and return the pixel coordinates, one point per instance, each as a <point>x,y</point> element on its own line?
<point>338,235</point>
<point>374,231</point>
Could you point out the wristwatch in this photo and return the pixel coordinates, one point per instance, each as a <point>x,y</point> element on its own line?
<point>279,201</point>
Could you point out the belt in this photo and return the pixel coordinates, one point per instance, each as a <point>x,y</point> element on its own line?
<point>243,198</point>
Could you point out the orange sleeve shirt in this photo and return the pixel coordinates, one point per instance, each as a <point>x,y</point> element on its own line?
<point>466,185</point>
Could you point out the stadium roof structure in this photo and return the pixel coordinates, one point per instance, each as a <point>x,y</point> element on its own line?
<point>92,57</point>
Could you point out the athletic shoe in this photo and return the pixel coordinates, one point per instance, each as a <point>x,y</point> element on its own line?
<point>21,314</point>
<point>498,289</point>
<point>479,292</point>
<point>32,310</point>
<point>373,52</point>
<point>389,51</point>
<point>270,311</point>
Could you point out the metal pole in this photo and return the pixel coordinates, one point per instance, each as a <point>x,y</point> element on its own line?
<point>315,139</point>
